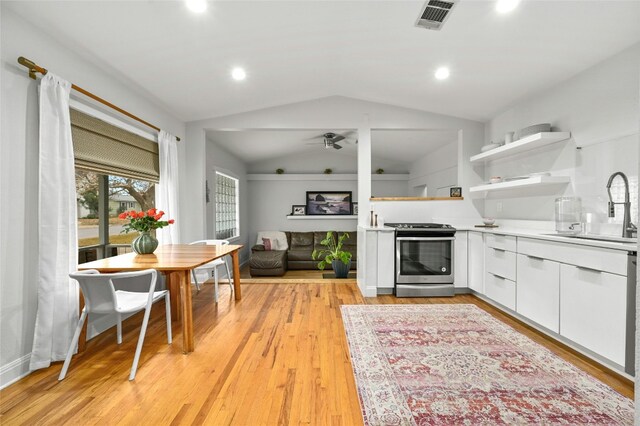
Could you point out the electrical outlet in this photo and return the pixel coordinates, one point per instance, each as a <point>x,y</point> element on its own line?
<point>499,207</point>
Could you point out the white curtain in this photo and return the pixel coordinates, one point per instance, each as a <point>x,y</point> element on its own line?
<point>167,188</point>
<point>57,313</point>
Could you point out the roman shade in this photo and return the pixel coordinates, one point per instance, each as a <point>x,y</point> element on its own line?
<point>107,149</point>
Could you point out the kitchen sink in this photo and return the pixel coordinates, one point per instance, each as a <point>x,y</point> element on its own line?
<point>608,238</point>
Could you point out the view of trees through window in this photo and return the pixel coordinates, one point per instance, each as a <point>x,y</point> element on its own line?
<point>124,194</point>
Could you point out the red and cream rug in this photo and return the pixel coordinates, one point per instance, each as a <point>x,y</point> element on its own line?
<point>457,365</point>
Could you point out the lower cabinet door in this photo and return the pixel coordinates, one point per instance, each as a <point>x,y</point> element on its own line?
<point>501,290</point>
<point>386,259</point>
<point>538,291</point>
<point>593,310</point>
<point>460,259</point>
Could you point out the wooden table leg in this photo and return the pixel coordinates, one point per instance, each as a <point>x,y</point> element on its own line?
<point>173,285</point>
<point>82,341</point>
<point>235,258</point>
<point>187,312</point>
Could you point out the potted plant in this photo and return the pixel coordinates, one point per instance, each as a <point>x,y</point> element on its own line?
<point>144,223</point>
<point>333,255</point>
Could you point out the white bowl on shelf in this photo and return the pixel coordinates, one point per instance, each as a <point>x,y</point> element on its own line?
<point>488,221</point>
<point>489,147</point>
<point>495,179</point>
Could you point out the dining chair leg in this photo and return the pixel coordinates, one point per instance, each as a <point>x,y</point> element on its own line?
<point>143,332</point>
<point>195,280</point>
<point>226,265</point>
<point>119,328</point>
<point>167,303</point>
<point>215,284</point>
<point>74,343</point>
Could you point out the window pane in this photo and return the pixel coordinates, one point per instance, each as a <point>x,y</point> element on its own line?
<point>126,194</point>
<point>226,206</point>
<point>87,184</point>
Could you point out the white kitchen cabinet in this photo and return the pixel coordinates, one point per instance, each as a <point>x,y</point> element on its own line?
<point>500,262</point>
<point>501,290</point>
<point>593,310</point>
<point>386,260</point>
<point>460,259</point>
<point>475,253</point>
<point>538,291</point>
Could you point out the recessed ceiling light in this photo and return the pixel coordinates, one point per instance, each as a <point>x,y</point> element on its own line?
<point>238,74</point>
<point>506,6</point>
<point>197,6</point>
<point>442,73</point>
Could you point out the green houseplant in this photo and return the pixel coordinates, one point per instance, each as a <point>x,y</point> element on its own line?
<point>340,260</point>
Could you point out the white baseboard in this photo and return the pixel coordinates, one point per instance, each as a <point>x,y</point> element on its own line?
<point>14,371</point>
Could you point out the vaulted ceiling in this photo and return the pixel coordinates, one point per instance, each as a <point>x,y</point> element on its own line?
<point>299,50</point>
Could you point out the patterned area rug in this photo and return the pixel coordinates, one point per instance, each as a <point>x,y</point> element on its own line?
<point>457,365</point>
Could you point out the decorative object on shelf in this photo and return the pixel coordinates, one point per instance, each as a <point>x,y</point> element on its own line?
<point>279,171</point>
<point>327,171</point>
<point>532,130</point>
<point>297,210</point>
<point>488,220</point>
<point>508,137</point>
<point>380,171</point>
<point>455,191</point>
<point>340,260</point>
<point>495,179</point>
<point>490,146</point>
<point>354,208</point>
<point>144,223</point>
<point>375,220</point>
<point>328,203</point>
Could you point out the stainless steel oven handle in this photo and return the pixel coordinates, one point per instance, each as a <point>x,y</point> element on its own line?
<point>425,238</point>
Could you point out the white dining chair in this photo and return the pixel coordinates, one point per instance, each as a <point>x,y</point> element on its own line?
<point>101,297</point>
<point>213,266</point>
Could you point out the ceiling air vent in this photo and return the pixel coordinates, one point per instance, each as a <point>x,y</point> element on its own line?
<point>434,14</point>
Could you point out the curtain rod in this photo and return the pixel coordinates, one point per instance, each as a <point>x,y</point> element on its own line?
<point>33,69</point>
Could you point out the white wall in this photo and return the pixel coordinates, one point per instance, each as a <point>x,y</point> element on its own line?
<point>337,160</point>
<point>600,108</point>
<point>219,159</point>
<point>438,171</point>
<point>19,170</point>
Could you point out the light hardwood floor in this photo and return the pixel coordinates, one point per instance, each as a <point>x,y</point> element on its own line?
<point>278,356</point>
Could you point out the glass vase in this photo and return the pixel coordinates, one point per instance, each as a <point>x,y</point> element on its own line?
<point>145,243</point>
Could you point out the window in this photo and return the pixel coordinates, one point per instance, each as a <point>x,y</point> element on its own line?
<point>101,199</point>
<point>227,210</point>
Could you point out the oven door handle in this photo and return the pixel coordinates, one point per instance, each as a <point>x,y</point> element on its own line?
<point>425,238</point>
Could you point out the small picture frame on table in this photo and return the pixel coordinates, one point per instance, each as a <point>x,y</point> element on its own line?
<point>354,208</point>
<point>298,210</point>
<point>455,192</point>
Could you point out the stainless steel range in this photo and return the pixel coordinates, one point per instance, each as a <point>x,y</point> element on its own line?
<point>424,259</point>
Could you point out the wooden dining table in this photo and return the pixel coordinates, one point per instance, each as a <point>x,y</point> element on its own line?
<point>176,261</point>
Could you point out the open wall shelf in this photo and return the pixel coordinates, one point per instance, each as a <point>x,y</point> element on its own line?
<point>522,145</point>
<point>535,181</point>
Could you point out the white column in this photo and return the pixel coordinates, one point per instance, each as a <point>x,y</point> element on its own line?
<point>364,170</point>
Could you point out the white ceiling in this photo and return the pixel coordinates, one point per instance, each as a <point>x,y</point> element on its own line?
<point>302,50</point>
<point>405,146</point>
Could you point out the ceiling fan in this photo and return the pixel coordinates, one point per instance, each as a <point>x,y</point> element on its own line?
<point>329,140</point>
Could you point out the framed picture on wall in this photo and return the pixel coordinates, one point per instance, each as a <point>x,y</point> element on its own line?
<point>328,203</point>
<point>455,191</point>
<point>354,208</point>
<point>298,210</point>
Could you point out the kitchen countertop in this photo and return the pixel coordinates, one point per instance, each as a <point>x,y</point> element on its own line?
<point>543,235</point>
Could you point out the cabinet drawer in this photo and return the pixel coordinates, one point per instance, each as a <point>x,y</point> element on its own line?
<point>502,242</point>
<point>602,259</point>
<point>538,291</point>
<point>593,310</point>
<point>501,263</point>
<point>501,290</point>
